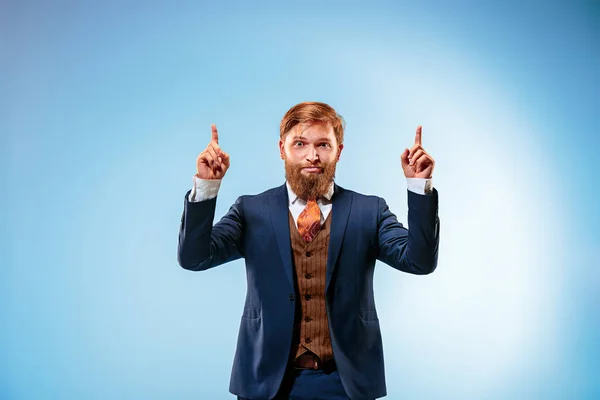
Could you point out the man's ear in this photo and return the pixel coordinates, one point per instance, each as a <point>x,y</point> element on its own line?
<point>281,149</point>
<point>340,148</point>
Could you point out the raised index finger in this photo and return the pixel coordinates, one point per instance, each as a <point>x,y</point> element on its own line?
<point>215,134</point>
<point>418,136</point>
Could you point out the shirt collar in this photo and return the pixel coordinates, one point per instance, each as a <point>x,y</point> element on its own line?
<point>293,197</point>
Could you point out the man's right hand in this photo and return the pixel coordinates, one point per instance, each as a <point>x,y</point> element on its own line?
<point>213,162</point>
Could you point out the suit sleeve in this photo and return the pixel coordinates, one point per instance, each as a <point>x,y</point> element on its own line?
<point>202,245</point>
<point>413,250</point>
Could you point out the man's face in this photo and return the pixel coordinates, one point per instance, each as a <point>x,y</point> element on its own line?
<point>310,152</point>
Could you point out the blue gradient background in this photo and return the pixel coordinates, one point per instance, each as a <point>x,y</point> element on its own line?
<point>105,106</point>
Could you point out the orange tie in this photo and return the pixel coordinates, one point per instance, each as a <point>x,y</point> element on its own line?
<point>309,222</point>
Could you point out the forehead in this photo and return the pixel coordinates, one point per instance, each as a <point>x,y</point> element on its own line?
<point>312,131</point>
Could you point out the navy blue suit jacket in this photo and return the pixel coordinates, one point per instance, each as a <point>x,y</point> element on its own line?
<point>363,230</point>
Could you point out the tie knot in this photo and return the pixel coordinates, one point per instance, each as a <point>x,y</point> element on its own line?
<point>309,221</point>
<point>311,204</point>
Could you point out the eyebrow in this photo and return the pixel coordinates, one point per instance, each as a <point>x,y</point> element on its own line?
<point>323,139</point>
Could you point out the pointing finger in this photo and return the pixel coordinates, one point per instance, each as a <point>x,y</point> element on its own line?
<point>418,136</point>
<point>215,147</point>
<point>215,133</point>
<point>218,152</point>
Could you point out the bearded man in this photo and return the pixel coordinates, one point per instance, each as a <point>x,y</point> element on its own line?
<point>309,328</point>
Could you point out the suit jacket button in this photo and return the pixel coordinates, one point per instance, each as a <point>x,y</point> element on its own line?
<point>292,297</point>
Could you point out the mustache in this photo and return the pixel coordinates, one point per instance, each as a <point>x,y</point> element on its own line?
<point>315,165</point>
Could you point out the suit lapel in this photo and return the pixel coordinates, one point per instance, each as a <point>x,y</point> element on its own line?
<point>340,211</point>
<point>279,206</point>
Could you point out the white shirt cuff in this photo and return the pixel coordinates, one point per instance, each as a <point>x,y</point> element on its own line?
<point>419,185</point>
<point>204,189</point>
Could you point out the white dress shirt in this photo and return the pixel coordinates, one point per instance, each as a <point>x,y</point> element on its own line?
<point>297,205</point>
<point>206,189</point>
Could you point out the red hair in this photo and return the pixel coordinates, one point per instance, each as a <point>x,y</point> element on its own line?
<point>312,112</point>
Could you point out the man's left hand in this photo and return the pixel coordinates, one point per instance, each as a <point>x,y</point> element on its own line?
<point>416,163</point>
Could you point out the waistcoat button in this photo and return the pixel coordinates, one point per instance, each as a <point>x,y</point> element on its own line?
<point>307,276</point>
<point>308,297</point>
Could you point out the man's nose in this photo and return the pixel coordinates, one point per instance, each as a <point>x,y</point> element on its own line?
<point>312,154</point>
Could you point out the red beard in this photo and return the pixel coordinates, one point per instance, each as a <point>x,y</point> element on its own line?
<point>309,186</point>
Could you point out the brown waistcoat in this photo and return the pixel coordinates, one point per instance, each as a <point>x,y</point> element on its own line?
<point>311,328</point>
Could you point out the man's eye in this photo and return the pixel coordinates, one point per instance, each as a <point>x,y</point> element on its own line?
<point>298,144</point>
<point>325,145</point>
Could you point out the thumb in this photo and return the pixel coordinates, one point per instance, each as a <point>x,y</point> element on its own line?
<point>404,158</point>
